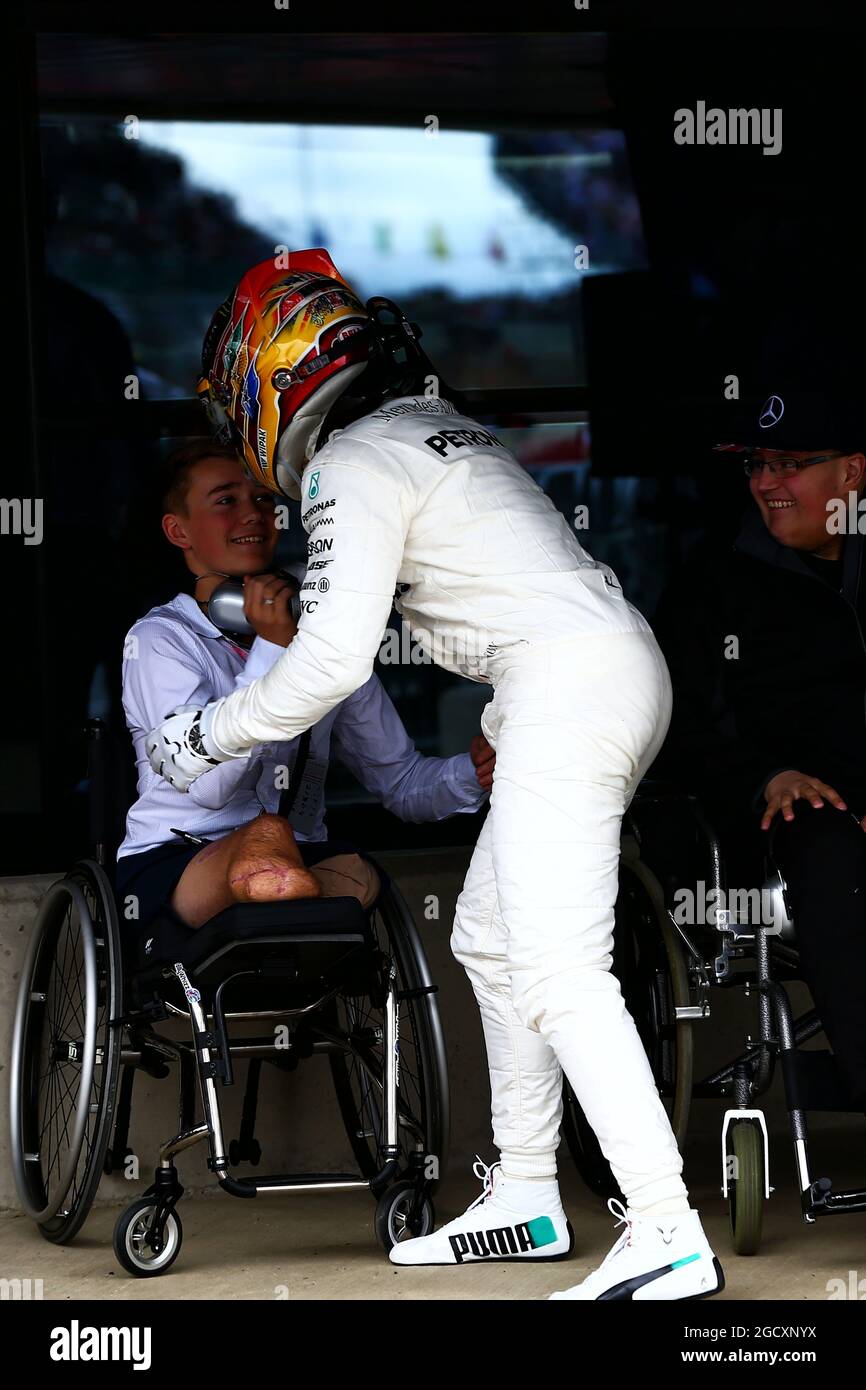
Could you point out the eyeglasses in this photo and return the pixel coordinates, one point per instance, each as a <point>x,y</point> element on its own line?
<point>783,467</point>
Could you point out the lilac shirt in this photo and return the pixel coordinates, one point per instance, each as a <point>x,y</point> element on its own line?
<point>174,655</point>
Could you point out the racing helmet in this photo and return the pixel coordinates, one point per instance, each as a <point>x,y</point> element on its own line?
<point>279,351</point>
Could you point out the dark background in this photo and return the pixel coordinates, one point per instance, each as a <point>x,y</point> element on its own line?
<point>742,259</point>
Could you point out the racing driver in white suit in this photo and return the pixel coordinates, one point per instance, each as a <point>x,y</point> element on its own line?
<point>407,501</point>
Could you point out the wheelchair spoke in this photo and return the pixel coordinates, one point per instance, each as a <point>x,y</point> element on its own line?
<point>61,1023</point>
<point>47,1126</point>
<point>58,1106</point>
<point>59,1083</point>
<point>76,1006</point>
<point>68,1052</point>
<point>363,1064</point>
<point>64,1131</point>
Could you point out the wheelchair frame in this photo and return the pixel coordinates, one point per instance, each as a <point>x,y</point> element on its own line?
<point>814,1085</point>
<point>148,1233</point>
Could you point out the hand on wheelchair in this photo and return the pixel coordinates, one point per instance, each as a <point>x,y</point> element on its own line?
<point>787,787</point>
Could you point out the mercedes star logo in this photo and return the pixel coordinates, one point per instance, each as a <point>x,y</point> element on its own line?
<point>771,412</point>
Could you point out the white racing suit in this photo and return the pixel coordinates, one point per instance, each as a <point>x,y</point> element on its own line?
<point>496,586</point>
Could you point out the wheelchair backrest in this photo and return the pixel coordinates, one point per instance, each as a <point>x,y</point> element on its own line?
<point>111,789</point>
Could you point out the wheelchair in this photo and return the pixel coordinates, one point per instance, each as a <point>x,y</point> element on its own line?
<point>667,973</point>
<point>308,977</point>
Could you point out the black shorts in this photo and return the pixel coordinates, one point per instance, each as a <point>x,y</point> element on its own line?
<point>152,876</point>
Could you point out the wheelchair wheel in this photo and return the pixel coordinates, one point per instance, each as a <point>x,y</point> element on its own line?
<point>423,1096</point>
<point>393,1216</point>
<point>130,1240</point>
<point>66,1052</point>
<point>649,964</point>
<point>746,1188</point>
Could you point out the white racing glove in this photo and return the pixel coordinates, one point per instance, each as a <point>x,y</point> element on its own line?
<point>181,748</point>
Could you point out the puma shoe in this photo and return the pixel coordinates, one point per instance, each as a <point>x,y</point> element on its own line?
<point>656,1257</point>
<point>511,1220</point>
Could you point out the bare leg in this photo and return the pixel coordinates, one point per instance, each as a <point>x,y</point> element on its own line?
<point>347,876</point>
<point>259,862</point>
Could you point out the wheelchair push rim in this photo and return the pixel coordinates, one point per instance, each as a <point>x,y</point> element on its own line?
<point>65,1052</point>
<point>423,1097</point>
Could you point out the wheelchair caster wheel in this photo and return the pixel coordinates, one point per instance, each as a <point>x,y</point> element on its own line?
<point>393,1216</point>
<point>130,1240</point>
<point>746,1189</point>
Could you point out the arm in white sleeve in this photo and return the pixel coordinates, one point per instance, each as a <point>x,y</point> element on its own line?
<point>357,507</point>
<point>263,655</point>
<point>369,737</point>
<point>164,675</point>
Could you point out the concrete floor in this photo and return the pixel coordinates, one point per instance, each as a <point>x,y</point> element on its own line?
<point>323,1247</point>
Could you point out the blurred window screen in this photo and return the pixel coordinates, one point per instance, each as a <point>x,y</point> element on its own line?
<point>476,235</point>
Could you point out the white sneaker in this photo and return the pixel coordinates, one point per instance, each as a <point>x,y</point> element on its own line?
<point>656,1257</point>
<point>507,1222</point>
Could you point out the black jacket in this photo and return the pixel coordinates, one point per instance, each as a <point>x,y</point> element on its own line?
<point>793,696</point>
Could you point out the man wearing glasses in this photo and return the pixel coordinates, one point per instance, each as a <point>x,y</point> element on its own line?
<point>783,622</point>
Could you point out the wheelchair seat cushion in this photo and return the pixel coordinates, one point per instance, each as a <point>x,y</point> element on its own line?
<point>164,938</point>
<point>305,936</point>
<point>306,918</point>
